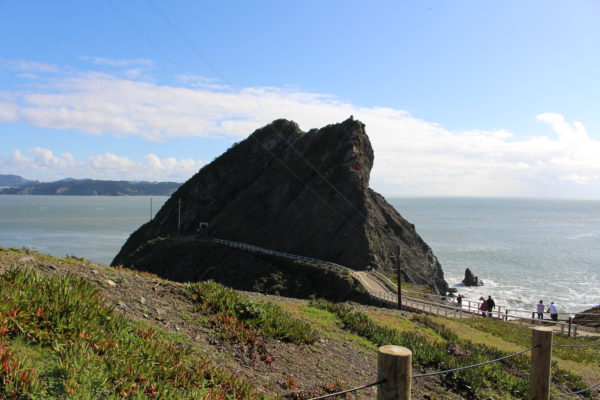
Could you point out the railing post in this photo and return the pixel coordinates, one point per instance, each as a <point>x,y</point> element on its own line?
<point>394,365</point>
<point>541,357</point>
<point>570,322</point>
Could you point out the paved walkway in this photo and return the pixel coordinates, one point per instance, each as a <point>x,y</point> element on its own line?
<point>381,292</point>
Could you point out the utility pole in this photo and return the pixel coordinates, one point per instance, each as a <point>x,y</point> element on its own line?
<point>398,272</point>
<point>398,275</point>
<point>178,215</point>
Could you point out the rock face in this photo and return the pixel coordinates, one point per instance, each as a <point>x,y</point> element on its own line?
<point>471,279</point>
<point>305,193</point>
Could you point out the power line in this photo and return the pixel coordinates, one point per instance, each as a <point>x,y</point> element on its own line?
<point>207,61</point>
<point>186,40</point>
<point>147,38</point>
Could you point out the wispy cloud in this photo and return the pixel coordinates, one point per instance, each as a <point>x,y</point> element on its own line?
<point>412,155</point>
<point>111,62</point>
<point>48,166</point>
<point>29,66</point>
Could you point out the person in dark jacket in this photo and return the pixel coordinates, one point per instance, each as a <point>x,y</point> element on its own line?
<point>483,306</point>
<point>490,306</point>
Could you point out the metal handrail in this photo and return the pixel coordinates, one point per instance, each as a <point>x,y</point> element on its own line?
<point>256,249</point>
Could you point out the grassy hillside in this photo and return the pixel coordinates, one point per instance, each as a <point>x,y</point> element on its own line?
<point>71,329</point>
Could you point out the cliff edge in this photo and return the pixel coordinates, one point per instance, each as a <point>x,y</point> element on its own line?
<point>304,193</point>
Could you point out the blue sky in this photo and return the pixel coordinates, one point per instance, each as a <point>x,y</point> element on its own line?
<point>461,98</point>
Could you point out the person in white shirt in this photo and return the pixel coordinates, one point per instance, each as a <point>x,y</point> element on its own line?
<point>540,309</point>
<point>553,311</point>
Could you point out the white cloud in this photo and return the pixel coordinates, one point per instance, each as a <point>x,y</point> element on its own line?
<point>111,62</point>
<point>29,66</point>
<point>412,155</point>
<point>45,158</point>
<point>45,165</point>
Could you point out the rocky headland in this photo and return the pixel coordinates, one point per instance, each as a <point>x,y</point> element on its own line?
<point>305,193</point>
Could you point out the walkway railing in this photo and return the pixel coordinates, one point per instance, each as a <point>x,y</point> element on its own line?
<point>394,370</point>
<point>256,249</point>
<point>425,302</point>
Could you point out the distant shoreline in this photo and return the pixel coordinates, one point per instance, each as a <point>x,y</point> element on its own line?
<point>91,187</point>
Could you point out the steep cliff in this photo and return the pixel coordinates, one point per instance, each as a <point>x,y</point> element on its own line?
<point>305,193</point>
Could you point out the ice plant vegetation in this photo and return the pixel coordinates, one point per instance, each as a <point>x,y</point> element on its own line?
<point>59,340</point>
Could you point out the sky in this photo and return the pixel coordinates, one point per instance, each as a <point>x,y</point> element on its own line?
<point>460,98</point>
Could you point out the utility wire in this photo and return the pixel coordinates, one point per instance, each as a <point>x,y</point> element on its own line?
<point>186,40</point>
<point>147,38</point>
<point>207,61</point>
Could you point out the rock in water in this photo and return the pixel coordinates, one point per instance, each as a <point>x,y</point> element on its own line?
<point>305,193</point>
<point>471,279</point>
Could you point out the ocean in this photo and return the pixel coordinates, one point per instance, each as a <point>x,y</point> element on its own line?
<point>93,227</point>
<point>524,250</point>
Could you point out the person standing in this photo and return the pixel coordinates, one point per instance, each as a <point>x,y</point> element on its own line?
<point>540,309</point>
<point>459,301</point>
<point>553,311</point>
<point>483,306</point>
<point>490,306</point>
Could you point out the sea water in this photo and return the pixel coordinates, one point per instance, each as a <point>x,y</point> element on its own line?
<point>93,227</point>
<point>524,250</point>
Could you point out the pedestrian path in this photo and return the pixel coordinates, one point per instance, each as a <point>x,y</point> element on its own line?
<point>384,292</point>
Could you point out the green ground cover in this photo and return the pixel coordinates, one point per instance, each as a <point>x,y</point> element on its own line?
<point>58,340</point>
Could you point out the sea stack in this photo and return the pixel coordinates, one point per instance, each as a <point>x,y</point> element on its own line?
<point>470,279</point>
<point>304,193</point>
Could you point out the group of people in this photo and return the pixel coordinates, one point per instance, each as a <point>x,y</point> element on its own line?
<point>551,309</point>
<point>486,307</point>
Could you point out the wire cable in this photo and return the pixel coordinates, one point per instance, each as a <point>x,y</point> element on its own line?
<point>576,345</point>
<point>348,391</point>
<point>474,365</point>
<point>574,393</point>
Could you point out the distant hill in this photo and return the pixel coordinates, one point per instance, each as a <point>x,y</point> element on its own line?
<point>91,187</point>
<point>14,180</point>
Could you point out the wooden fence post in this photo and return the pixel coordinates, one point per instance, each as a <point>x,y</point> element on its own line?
<point>541,357</point>
<point>394,365</point>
